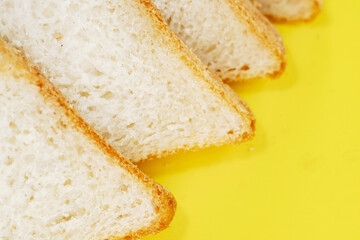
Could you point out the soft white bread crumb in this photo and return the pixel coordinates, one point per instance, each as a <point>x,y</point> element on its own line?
<point>58,178</point>
<point>126,74</point>
<point>230,36</point>
<point>290,10</point>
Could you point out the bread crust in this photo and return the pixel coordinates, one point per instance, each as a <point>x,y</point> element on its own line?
<point>163,201</point>
<point>185,54</point>
<point>316,9</point>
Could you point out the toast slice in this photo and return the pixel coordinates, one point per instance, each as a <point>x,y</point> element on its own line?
<point>58,178</point>
<point>127,74</point>
<point>231,36</point>
<point>290,10</point>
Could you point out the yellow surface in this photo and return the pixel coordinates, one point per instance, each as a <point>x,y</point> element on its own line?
<point>302,179</point>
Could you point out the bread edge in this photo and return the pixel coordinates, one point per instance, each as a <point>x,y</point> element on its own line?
<point>269,35</point>
<point>316,9</point>
<point>186,54</point>
<point>163,201</point>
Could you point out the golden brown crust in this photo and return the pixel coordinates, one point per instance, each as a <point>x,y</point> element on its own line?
<point>316,9</point>
<point>17,65</point>
<point>185,54</point>
<point>264,30</point>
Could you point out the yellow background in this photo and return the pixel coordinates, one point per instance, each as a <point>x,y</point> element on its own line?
<point>301,181</point>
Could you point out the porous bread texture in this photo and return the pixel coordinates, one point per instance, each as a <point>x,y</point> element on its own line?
<point>58,178</point>
<point>290,10</point>
<point>127,74</point>
<point>231,36</point>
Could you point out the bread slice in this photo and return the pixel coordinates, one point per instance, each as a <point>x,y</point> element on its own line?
<point>58,178</point>
<point>127,74</point>
<point>231,36</point>
<point>290,10</point>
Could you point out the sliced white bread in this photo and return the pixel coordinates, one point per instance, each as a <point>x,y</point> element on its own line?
<point>289,10</point>
<point>58,178</point>
<point>231,36</point>
<point>127,74</point>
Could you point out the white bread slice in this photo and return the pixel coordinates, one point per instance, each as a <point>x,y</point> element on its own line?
<point>58,178</point>
<point>290,10</point>
<point>127,74</point>
<point>231,36</point>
